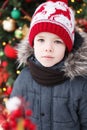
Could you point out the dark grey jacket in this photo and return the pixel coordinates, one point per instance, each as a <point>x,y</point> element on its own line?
<point>62,106</point>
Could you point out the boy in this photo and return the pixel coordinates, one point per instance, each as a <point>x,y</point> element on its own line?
<point>53,82</point>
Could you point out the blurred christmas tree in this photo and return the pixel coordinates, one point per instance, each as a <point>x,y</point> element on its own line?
<point>15,17</point>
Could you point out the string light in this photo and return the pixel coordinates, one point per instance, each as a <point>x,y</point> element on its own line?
<point>18,71</point>
<point>84,4</point>
<point>78,11</point>
<point>72,1</point>
<point>3,43</point>
<point>4,89</point>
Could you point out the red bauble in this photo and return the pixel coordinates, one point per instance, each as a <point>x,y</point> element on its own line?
<point>9,90</point>
<point>10,51</point>
<point>28,112</point>
<point>4,63</point>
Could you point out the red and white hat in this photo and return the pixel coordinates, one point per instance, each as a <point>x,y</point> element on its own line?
<point>54,17</point>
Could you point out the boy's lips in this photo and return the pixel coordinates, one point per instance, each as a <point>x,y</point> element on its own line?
<point>48,57</point>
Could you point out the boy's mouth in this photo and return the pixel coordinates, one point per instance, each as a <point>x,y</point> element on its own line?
<point>48,57</point>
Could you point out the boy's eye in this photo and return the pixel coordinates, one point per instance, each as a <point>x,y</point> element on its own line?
<point>58,42</point>
<point>40,40</point>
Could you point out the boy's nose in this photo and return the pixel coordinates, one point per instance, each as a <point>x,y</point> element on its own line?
<point>48,47</point>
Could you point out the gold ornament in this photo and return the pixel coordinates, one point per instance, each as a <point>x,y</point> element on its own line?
<point>18,33</point>
<point>9,25</point>
<point>25,31</point>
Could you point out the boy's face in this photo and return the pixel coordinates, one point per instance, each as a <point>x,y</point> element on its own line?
<point>49,49</point>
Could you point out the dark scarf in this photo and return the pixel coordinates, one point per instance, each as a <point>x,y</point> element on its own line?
<point>46,76</point>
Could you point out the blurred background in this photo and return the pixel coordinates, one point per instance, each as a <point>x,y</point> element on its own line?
<point>15,17</point>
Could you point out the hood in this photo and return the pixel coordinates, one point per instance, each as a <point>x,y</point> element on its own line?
<point>76,62</point>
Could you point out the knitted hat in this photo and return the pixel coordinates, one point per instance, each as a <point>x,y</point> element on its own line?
<point>54,17</point>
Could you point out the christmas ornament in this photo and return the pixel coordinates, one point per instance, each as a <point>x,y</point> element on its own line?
<point>4,63</point>
<point>1,53</point>
<point>18,33</point>
<point>12,115</point>
<point>16,14</point>
<point>9,25</point>
<point>10,51</point>
<point>25,30</point>
<point>9,90</point>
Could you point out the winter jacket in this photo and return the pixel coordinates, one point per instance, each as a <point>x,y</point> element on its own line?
<point>61,106</point>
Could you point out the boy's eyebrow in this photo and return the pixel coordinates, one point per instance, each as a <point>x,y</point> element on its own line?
<point>40,36</point>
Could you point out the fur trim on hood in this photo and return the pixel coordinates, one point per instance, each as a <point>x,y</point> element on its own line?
<point>75,63</point>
